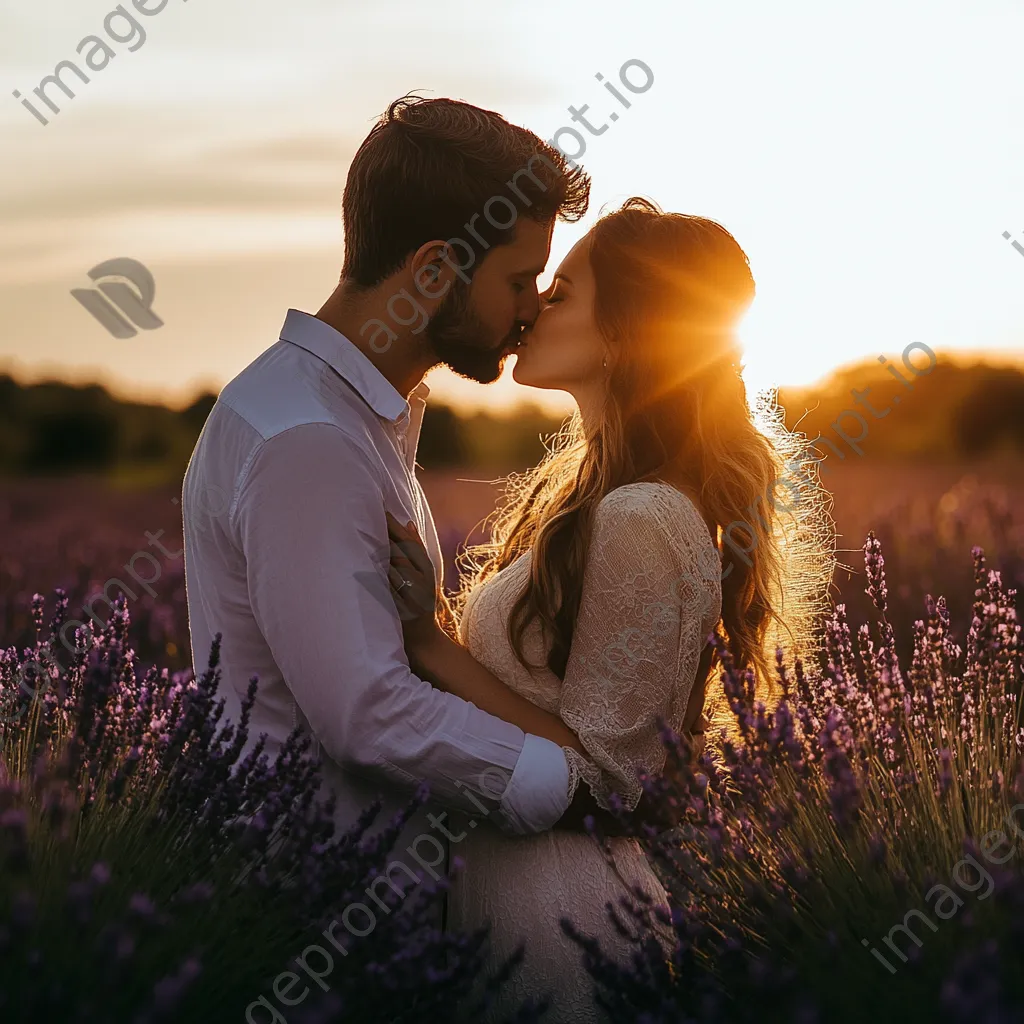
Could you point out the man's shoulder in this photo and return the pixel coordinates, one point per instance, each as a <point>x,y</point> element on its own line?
<point>277,402</point>
<point>284,388</point>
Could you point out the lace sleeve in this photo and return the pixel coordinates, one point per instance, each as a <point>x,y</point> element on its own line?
<point>649,600</point>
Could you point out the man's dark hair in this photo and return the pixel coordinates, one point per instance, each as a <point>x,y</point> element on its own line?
<point>429,165</point>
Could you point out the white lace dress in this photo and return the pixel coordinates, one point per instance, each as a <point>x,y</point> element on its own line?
<point>651,595</point>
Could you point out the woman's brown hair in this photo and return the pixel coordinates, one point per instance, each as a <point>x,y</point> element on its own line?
<point>671,290</point>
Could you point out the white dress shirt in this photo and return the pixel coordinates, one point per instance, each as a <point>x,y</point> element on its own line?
<point>286,551</point>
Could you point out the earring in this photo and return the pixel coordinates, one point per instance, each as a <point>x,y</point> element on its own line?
<point>604,363</point>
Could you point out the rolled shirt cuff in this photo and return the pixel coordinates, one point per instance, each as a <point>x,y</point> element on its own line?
<point>537,795</point>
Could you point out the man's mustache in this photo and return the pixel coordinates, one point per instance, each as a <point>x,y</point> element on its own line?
<point>514,335</point>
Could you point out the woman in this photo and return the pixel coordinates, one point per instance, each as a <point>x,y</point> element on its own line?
<point>652,523</point>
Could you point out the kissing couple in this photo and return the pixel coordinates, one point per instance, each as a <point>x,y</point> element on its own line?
<point>530,698</point>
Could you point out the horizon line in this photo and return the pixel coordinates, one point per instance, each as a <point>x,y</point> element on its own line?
<point>178,399</point>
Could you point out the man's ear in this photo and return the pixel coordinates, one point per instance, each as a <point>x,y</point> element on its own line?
<point>433,270</point>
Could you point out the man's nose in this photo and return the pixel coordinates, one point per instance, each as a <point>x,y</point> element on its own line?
<point>531,310</point>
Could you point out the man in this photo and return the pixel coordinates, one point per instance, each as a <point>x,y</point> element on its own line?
<point>448,213</point>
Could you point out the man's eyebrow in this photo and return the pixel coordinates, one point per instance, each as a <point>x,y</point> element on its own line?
<point>532,272</point>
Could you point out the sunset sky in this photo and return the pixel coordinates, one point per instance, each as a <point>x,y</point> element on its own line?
<point>867,156</point>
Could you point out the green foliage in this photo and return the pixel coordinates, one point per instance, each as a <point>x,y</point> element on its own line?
<point>499,444</point>
<point>53,429</point>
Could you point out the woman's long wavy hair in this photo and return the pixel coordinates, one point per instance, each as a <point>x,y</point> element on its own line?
<point>670,292</point>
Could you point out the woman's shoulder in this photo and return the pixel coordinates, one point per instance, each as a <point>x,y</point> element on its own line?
<point>654,527</point>
<point>649,498</point>
<point>653,509</point>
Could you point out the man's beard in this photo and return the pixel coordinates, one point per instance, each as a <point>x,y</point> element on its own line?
<point>463,342</point>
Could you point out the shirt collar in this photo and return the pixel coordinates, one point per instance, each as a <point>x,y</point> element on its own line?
<point>340,354</point>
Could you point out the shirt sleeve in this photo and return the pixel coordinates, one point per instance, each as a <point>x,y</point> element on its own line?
<point>309,517</point>
<point>638,640</point>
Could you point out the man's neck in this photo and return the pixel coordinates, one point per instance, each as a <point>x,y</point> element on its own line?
<point>402,362</point>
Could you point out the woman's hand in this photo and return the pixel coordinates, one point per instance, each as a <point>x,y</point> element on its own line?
<point>413,587</point>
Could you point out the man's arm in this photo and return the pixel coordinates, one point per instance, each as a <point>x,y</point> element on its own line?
<point>310,521</point>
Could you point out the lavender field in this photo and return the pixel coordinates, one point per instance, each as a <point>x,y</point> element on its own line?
<point>141,882</point>
<point>78,534</point>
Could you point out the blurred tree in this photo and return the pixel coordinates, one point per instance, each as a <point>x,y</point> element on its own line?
<point>950,411</point>
<point>9,392</point>
<point>441,438</point>
<point>508,443</point>
<point>153,446</point>
<point>992,415</point>
<point>76,440</point>
<point>196,414</point>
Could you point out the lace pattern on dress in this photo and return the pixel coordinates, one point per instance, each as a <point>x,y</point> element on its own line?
<point>651,595</point>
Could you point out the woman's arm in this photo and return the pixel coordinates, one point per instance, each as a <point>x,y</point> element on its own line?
<point>437,657</point>
<point>445,663</point>
<point>637,650</point>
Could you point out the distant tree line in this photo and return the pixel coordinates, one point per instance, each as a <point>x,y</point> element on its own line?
<point>52,428</point>
<point>952,411</point>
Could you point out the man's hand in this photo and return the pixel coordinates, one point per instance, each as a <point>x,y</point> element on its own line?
<point>414,588</point>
